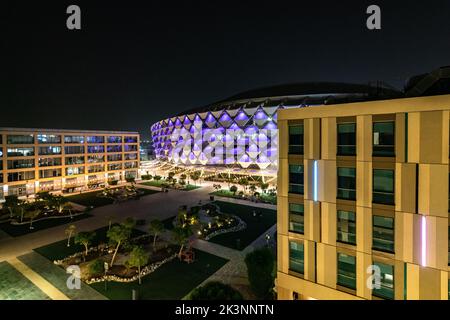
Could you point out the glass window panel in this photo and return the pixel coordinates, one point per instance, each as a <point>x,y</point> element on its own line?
<point>383,186</point>
<point>48,138</point>
<point>346,139</point>
<point>346,183</point>
<point>386,288</point>
<point>296,139</point>
<point>20,139</point>
<point>296,218</point>
<point>346,227</point>
<point>296,179</point>
<point>384,139</point>
<point>296,257</point>
<point>346,274</point>
<point>383,233</point>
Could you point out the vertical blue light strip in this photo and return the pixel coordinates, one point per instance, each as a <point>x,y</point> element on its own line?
<point>315,174</point>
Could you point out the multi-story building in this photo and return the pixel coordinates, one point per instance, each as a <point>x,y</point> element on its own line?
<point>363,195</point>
<point>33,160</point>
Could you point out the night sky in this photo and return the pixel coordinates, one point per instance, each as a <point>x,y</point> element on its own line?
<point>137,62</point>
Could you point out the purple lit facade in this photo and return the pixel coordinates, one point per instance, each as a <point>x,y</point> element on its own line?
<point>251,121</point>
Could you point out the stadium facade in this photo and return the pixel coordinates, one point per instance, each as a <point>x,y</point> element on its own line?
<point>240,134</point>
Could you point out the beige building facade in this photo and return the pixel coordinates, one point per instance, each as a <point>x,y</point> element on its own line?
<point>363,200</point>
<point>33,160</point>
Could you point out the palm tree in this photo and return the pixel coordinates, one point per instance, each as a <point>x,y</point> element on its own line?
<point>180,235</point>
<point>118,235</point>
<point>58,203</point>
<point>67,206</point>
<point>195,176</point>
<point>138,258</point>
<point>70,231</point>
<point>11,202</point>
<point>156,227</point>
<point>85,239</point>
<point>32,214</point>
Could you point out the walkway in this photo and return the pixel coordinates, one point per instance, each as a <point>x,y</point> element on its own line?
<point>37,280</point>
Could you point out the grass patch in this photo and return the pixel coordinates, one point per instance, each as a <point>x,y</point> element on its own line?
<point>255,225</point>
<point>59,250</point>
<point>90,199</point>
<point>264,197</point>
<point>20,230</point>
<point>158,184</point>
<point>172,281</point>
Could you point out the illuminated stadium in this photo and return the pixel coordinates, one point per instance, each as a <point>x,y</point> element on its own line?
<point>253,116</point>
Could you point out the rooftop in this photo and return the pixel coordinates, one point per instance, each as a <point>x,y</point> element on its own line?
<point>42,130</point>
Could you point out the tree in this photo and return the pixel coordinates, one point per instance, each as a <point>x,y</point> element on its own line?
<point>85,238</point>
<point>118,235</point>
<point>260,267</point>
<point>138,258</point>
<point>32,214</point>
<point>96,267</point>
<point>157,178</point>
<point>252,188</point>
<point>215,290</point>
<point>70,231</point>
<point>264,187</point>
<point>180,236</point>
<point>233,189</point>
<point>217,187</point>
<point>156,227</point>
<point>67,206</point>
<point>11,202</point>
<point>183,177</point>
<point>58,203</point>
<point>129,223</point>
<point>195,176</point>
<point>243,182</point>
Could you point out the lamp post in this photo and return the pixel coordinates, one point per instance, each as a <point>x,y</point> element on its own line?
<point>106,267</point>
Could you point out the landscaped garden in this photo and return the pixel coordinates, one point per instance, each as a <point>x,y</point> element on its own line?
<point>170,182</point>
<point>20,217</point>
<point>257,220</point>
<point>109,196</point>
<point>122,258</point>
<point>248,192</point>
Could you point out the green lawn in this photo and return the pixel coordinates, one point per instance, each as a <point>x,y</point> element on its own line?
<point>172,281</point>
<point>158,184</point>
<point>20,230</point>
<point>228,194</point>
<point>92,198</point>
<point>59,250</point>
<point>255,226</point>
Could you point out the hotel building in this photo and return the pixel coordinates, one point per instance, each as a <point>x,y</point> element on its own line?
<point>33,160</point>
<point>364,187</point>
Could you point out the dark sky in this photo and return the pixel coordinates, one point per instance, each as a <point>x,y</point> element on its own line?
<point>136,62</point>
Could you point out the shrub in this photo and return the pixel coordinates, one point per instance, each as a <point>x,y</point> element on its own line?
<point>260,265</point>
<point>140,222</point>
<point>233,189</point>
<point>130,179</point>
<point>113,182</point>
<point>96,267</point>
<point>215,290</point>
<point>146,177</point>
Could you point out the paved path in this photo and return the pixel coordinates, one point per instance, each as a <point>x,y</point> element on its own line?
<point>37,280</point>
<point>156,206</point>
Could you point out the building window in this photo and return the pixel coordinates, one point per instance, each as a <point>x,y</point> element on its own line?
<point>296,178</point>
<point>96,159</point>
<point>346,273</point>
<point>20,152</point>
<point>383,233</point>
<point>384,139</point>
<point>131,147</point>
<point>20,176</point>
<point>47,151</point>
<point>49,173</point>
<point>71,171</point>
<point>296,139</point>
<point>115,148</point>
<point>114,139</point>
<point>21,164</point>
<point>130,139</point>
<point>20,139</point>
<point>95,139</point>
<point>131,156</point>
<point>386,288</point>
<point>346,227</point>
<point>96,149</point>
<point>131,165</point>
<point>346,183</point>
<point>96,168</point>
<point>74,160</point>
<point>48,138</point>
<point>114,166</point>
<point>346,139</point>
<point>296,218</point>
<point>49,162</point>
<point>73,139</point>
<point>115,157</point>
<point>383,186</point>
<point>296,257</point>
<point>74,150</point>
